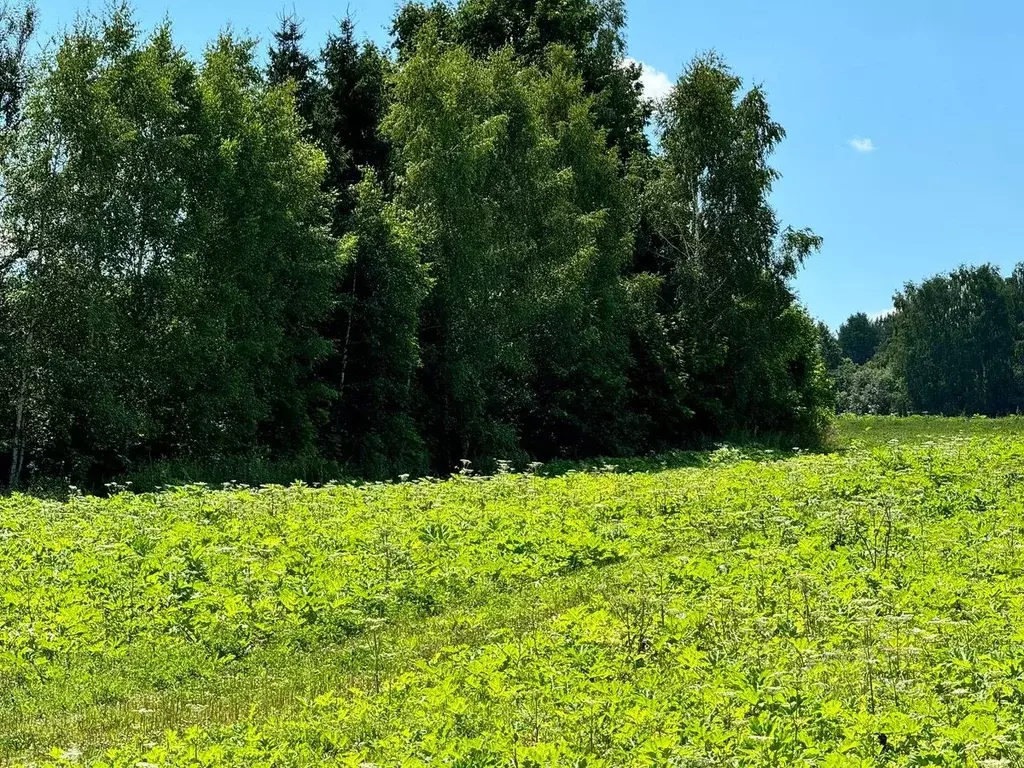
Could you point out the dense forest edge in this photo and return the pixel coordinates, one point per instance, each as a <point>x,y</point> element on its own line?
<point>483,243</point>
<point>953,344</point>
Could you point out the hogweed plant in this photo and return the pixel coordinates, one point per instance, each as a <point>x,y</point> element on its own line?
<point>854,609</point>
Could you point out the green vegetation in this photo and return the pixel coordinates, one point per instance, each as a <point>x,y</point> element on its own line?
<point>384,261</point>
<point>849,609</point>
<point>953,345</point>
<point>464,248</point>
<point>876,431</point>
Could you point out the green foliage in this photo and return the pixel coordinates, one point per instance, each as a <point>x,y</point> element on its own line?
<point>373,326</point>
<point>271,259</point>
<point>859,338</point>
<point>831,351</point>
<point>288,63</point>
<point>527,228</point>
<point>353,102</point>
<point>414,18</point>
<point>578,337</point>
<point>17,25</point>
<point>797,610</point>
<point>465,252</point>
<point>955,343</point>
<point>751,353</point>
<point>657,374</point>
<point>872,388</point>
<point>168,256</point>
<point>592,32</point>
<point>379,355</point>
<point>470,151</point>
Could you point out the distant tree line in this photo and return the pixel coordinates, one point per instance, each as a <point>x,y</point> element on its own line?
<point>465,246</point>
<point>953,345</point>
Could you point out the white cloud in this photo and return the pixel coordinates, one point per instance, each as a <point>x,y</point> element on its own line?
<point>863,145</point>
<point>882,313</point>
<point>656,83</point>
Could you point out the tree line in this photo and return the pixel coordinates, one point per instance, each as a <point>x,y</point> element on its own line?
<point>953,345</point>
<point>482,242</point>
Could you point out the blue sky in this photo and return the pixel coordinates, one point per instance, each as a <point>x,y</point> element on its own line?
<point>904,118</point>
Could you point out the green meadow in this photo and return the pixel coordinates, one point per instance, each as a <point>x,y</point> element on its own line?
<point>858,607</point>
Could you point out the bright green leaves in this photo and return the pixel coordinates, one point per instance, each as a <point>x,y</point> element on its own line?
<point>172,255</point>
<point>526,235</point>
<point>855,609</point>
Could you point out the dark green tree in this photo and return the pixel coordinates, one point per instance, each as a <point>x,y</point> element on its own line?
<point>659,393</point>
<point>288,62</point>
<point>373,428</point>
<point>372,297</point>
<point>349,115</point>
<point>831,350</point>
<point>582,231</point>
<point>467,150</point>
<point>955,343</point>
<point>859,338</point>
<point>886,326</point>
<point>1015,285</point>
<point>270,260</point>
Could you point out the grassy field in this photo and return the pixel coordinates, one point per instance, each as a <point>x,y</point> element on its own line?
<point>871,431</point>
<point>857,608</point>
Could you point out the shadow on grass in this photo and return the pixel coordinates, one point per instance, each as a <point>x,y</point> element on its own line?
<point>737,447</point>
<point>256,470</point>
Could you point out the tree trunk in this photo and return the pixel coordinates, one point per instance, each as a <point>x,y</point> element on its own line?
<point>348,331</point>
<point>18,451</point>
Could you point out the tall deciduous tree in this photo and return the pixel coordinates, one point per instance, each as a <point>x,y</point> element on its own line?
<point>528,231</point>
<point>17,25</point>
<point>93,216</point>
<point>469,149</point>
<point>592,31</point>
<point>750,351</point>
<point>583,232</point>
<point>269,257</point>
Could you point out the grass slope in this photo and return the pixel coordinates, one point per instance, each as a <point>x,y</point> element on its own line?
<point>855,609</point>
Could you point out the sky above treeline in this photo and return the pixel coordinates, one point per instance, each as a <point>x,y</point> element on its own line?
<point>903,118</point>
